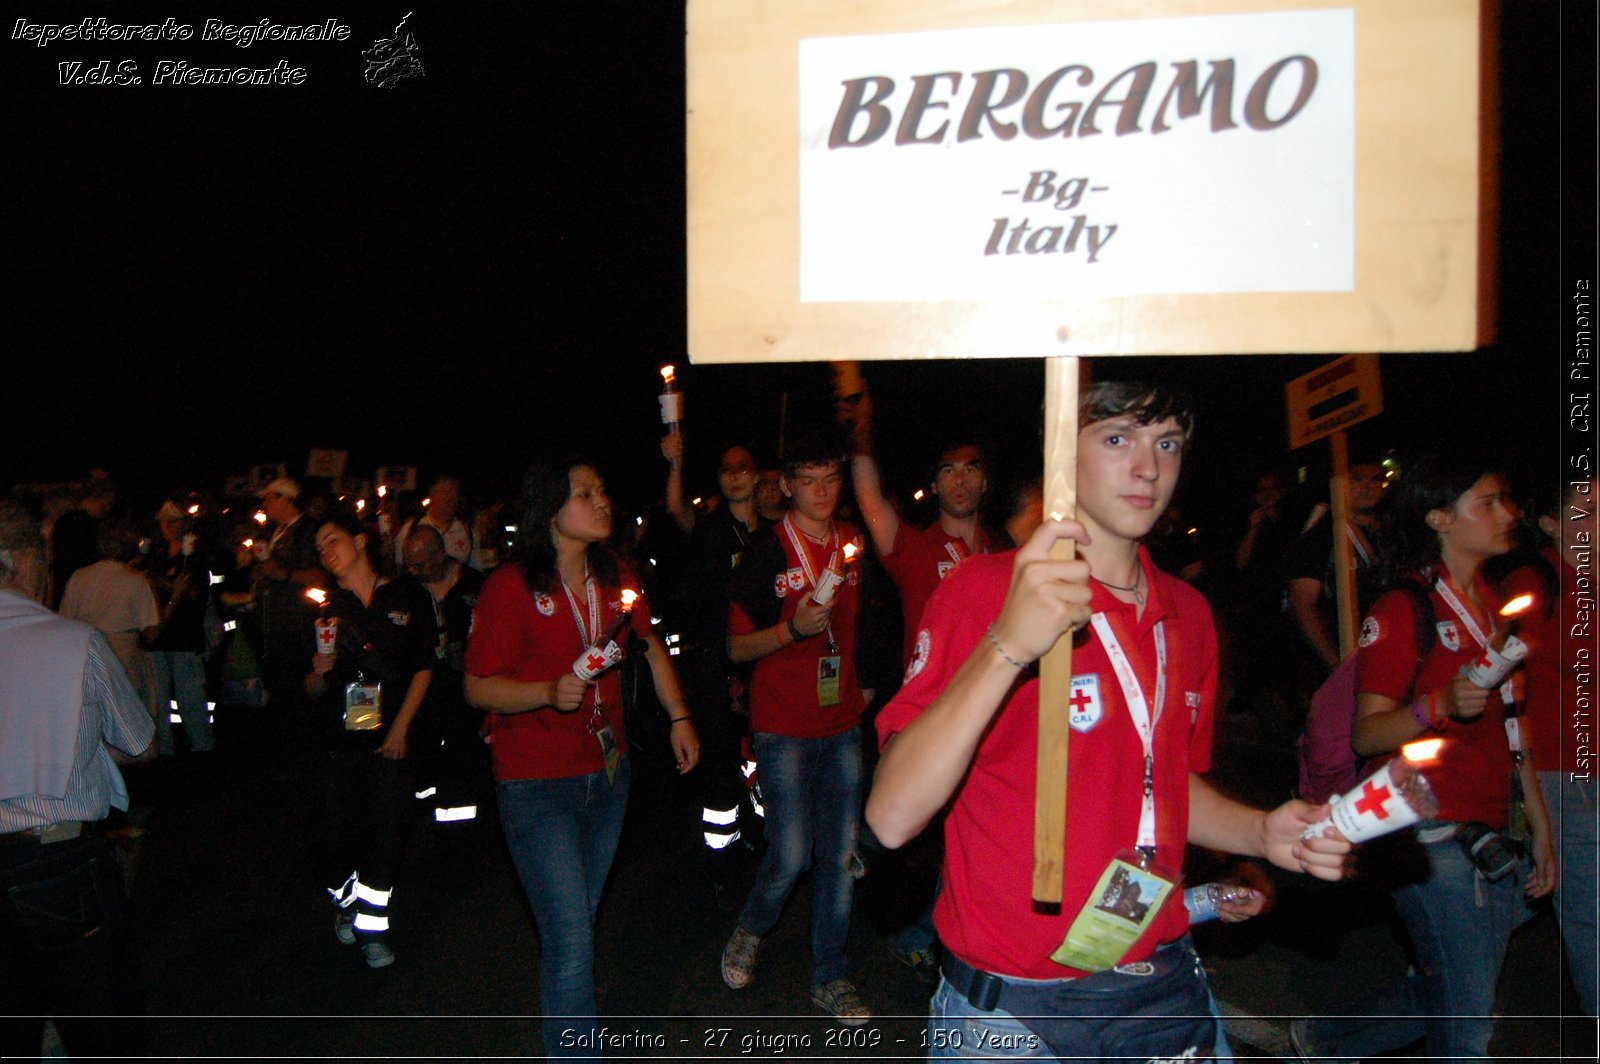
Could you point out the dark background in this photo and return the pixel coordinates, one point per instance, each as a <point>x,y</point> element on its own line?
<point>475,263</point>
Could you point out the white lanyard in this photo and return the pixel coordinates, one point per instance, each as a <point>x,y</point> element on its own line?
<point>805,564</point>
<point>1144,721</point>
<point>1461,611</point>
<point>1358,543</point>
<point>955,553</point>
<point>594,618</point>
<point>805,557</point>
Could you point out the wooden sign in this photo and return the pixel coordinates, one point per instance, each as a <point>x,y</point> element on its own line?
<point>1333,397</point>
<point>934,178</point>
<point>324,462</point>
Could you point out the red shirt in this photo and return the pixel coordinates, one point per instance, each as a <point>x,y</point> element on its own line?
<point>535,638</point>
<point>917,560</point>
<point>985,912</point>
<point>1472,775</point>
<point>1554,665</point>
<point>767,588</point>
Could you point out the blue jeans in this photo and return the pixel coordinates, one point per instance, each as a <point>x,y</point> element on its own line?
<point>1115,1020</point>
<point>813,794</point>
<point>563,834</point>
<point>1459,926</point>
<point>181,677</point>
<point>1572,829</point>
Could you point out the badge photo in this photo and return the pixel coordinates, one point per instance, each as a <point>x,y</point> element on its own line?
<point>1084,704</point>
<point>1449,635</point>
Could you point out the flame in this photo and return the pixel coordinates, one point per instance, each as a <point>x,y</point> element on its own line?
<point>361,504</point>
<point>668,374</point>
<point>1422,751</point>
<point>261,517</point>
<point>918,496</point>
<point>629,597</point>
<point>194,508</point>
<point>249,543</point>
<point>317,595</point>
<point>1516,605</point>
<point>849,553</point>
<point>427,502</point>
<point>383,489</point>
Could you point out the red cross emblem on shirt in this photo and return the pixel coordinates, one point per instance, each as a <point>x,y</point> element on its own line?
<point>1080,699</point>
<point>595,662</point>
<point>1372,799</point>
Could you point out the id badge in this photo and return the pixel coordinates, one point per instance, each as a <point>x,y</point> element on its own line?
<point>1123,904</point>
<point>1514,734</point>
<point>828,680</point>
<point>600,728</point>
<point>363,706</point>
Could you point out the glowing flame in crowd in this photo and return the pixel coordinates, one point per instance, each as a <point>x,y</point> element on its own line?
<point>629,597</point>
<point>849,553</point>
<point>668,375</point>
<point>317,595</point>
<point>1422,751</point>
<point>1516,606</point>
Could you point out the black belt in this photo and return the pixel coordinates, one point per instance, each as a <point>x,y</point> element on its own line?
<point>986,991</point>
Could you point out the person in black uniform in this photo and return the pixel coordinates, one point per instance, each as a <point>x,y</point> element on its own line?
<point>367,692</point>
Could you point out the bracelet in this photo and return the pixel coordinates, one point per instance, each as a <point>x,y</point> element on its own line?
<point>989,631</point>
<point>795,635</point>
<point>680,720</point>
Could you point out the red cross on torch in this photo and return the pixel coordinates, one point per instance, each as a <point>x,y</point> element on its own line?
<point>1372,799</point>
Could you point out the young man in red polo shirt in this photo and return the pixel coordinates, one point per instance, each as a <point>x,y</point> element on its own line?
<point>805,714</point>
<point>1113,973</point>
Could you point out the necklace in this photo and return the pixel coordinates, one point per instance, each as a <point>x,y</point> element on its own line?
<point>1138,580</point>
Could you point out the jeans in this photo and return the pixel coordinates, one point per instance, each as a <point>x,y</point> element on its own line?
<point>66,949</point>
<point>1107,1016</point>
<point>1459,926</point>
<point>181,677</point>
<point>1572,828</point>
<point>563,834</point>
<point>812,789</point>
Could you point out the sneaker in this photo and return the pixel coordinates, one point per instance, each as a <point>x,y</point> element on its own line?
<point>739,959</point>
<point>921,961</point>
<point>344,926</point>
<point>378,952</point>
<point>843,999</point>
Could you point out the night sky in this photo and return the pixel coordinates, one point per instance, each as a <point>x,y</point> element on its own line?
<point>487,259</point>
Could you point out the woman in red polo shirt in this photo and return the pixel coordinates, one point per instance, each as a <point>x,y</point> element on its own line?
<point>560,753</point>
<point>1444,519</point>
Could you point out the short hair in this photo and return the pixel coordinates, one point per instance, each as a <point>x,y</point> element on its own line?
<point>117,540</point>
<point>19,534</point>
<point>1145,403</point>
<point>816,445</point>
<point>423,530</point>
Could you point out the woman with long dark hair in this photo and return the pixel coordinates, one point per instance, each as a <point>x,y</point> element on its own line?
<point>368,682</point>
<point>1443,520</point>
<point>546,633</point>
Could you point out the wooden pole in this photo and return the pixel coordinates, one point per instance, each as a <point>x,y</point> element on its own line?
<point>1055,670</point>
<point>1344,554</point>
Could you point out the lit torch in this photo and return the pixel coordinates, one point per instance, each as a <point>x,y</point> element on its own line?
<point>1505,650</point>
<point>833,575</point>
<point>327,627</point>
<point>1394,797</point>
<point>671,401</point>
<point>606,652</point>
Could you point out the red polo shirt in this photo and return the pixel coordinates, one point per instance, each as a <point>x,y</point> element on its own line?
<point>985,912</point>
<point>917,560</point>
<point>528,638</point>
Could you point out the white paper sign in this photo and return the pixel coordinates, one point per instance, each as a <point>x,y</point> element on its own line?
<point>1207,154</point>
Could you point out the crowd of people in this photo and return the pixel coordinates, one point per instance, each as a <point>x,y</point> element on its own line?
<point>480,659</point>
